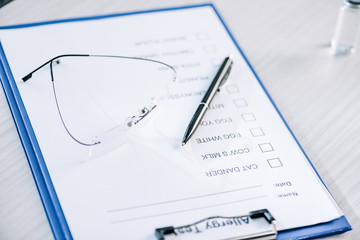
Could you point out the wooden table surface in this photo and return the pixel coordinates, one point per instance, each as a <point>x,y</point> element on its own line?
<point>287,43</point>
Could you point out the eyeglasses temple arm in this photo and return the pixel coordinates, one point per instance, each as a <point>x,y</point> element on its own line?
<point>27,77</point>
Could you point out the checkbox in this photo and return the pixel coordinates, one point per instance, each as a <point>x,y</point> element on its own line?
<point>266,147</point>
<point>241,102</point>
<point>202,36</point>
<point>209,49</point>
<point>232,89</point>
<point>257,132</point>
<point>274,162</point>
<point>248,117</point>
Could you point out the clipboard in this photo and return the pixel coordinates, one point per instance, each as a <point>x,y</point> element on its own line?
<point>217,227</point>
<point>42,177</point>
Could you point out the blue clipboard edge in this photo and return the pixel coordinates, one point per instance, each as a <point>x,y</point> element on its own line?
<point>38,167</point>
<point>33,154</point>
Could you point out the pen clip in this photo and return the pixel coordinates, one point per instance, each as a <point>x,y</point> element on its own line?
<point>226,74</point>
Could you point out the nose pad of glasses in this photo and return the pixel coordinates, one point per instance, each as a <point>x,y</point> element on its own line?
<point>131,121</point>
<point>143,112</point>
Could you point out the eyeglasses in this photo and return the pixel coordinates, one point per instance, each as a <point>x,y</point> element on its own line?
<point>96,95</point>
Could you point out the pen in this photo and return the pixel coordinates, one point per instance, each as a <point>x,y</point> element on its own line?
<point>219,79</point>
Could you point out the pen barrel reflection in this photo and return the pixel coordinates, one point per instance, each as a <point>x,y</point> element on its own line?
<point>219,79</point>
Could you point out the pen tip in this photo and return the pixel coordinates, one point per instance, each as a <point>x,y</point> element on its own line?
<point>183,143</point>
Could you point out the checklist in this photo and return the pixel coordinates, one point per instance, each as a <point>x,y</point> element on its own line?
<point>238,159</point>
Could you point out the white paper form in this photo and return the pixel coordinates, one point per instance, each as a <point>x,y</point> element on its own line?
<point>241,158</point>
